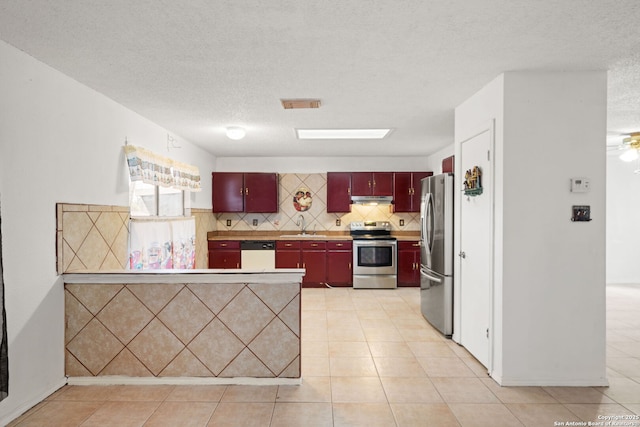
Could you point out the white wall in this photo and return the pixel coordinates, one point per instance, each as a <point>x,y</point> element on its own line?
<point>434,161</point>
<point>59,142</point>
<point>623,227</point>
<point>320,164</point>
<point>550,272</point>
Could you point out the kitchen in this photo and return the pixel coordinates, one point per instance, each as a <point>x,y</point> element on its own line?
<point>43,105</point>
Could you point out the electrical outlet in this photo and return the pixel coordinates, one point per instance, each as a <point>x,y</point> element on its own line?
<point>228,223</point>
<point>338,222</point>
<point>402,223</point>
<point>255,222</point>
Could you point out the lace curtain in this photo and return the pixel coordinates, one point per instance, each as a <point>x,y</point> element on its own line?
<point>162,244</point>
<point>152,168</point>
<point>4,361</point>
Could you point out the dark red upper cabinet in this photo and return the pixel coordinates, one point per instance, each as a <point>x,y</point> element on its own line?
<point>338,191</point>
<point>261,192</point>
<point>245,192</point>
<point>448,164</point>
<point>228,192</point>
<point>406,191</point>
<point>372,183</point>
<point>402,192</point>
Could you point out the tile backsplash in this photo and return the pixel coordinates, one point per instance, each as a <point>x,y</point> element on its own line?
<point>95,237</point>
<point>316,217</point>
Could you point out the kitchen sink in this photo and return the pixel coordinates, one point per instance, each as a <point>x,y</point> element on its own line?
<point>306,235</point>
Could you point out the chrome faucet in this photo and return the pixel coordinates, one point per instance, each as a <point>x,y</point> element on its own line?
<point>300,222</point>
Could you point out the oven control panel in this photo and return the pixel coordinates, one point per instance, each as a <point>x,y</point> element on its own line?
<point>371,225</point>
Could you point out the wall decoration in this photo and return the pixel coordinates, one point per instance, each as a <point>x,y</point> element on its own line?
<point>302,199</point>
<point>473,182</point>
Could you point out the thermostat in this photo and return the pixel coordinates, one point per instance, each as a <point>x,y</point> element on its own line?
<point>580,185</point>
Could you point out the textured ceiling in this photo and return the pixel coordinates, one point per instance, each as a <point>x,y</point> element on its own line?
<point>195,67</point>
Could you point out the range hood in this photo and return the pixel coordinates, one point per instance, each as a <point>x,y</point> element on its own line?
<point>372,200</point>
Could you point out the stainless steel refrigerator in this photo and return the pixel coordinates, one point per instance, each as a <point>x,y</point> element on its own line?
<point>436,251</point>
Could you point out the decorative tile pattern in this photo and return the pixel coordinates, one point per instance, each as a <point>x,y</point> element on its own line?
<point>185,365</point>
<point>267,345</point>
<point>155,346</point>
<point>187,315</point>
<point>246,365</point>
<point>198,330</point>
<point>216,346</point>
<point>94,346</point>
<point>96,237</point>
<point>216,298</point>
<point>246,315</point>
<point>125,316</point>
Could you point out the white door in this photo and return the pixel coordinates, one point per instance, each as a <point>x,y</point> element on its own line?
<point>476,249</point>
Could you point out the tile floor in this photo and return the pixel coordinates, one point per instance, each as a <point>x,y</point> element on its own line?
<point>369,359</point>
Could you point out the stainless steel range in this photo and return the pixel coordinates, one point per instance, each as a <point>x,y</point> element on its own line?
<point>374,255</point>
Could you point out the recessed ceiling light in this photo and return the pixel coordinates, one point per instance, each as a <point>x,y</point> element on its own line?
<point>342,133</point>
<point>235,132</point>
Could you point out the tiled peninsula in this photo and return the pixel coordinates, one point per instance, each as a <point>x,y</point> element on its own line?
<point>202,326</point>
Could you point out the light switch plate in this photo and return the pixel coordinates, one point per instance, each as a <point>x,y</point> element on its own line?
<point>580,185</point>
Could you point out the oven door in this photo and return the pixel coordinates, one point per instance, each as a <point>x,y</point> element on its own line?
<point>374,257</point>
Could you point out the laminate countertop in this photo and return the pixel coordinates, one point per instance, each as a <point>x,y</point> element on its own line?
<point>292,235</point>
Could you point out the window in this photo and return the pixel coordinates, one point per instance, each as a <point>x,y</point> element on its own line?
<point>154,200</point>
<point>159,186</point>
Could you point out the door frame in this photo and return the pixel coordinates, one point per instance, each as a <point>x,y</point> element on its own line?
<point>487,126</point>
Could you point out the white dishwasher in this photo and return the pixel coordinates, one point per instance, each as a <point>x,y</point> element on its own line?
<point>258,254</point>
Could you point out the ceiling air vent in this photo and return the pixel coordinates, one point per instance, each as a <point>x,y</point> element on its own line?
<point>290,104</point>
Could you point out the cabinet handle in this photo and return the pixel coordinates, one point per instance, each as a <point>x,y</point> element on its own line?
<point>237,265</point>
<point>246,191</point>
<point>241,191</point>
<point>304,265</point>
<point>339,245</point>
<point>223,245</point>
<point>374,182</point>
<point>288,244</point>
<point>349,190</point>
<point>369,184</point>
<point>349,266</point>
<point>417,245</point>
<point>297,265</point>
<point>314,245</point>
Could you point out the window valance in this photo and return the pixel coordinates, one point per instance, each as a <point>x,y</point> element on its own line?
<point>152,168</point>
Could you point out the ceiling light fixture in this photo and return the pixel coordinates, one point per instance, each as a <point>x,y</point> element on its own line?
<point>292,104</point>
<point>342,133</point>
<point>629,155</point>
<point>633,143</point>
<point>235,132</point>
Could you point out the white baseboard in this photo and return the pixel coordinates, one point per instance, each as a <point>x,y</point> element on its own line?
<point>551,382</point>
<point>25,406</point>
<point>123,380</point>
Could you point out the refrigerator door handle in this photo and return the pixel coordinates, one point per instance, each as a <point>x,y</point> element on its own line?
<point>429,276</point>
<point>429,223</point>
